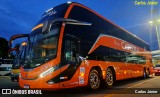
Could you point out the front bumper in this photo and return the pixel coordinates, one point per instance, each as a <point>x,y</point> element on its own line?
<point>37,84</point>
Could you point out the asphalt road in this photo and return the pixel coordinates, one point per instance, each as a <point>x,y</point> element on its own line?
<point>136,87</point>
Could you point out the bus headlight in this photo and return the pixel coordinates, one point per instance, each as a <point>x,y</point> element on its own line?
<point>50,70</point>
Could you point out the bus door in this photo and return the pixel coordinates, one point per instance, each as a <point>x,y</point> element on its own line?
<point>70,58</point>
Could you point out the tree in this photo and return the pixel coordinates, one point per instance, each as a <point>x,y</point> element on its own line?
<point>4,48</point>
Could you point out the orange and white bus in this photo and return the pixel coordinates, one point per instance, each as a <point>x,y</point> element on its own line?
<point>74,46</point>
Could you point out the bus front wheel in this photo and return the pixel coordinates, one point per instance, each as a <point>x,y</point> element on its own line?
<point>94,79</point>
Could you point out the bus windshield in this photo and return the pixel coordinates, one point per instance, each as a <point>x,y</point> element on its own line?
<point>43,47</point>
<point>16,64</point>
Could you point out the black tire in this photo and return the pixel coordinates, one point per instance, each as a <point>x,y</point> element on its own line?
<point>144,74</point>
<point>93,79</point>
<point>12,79</point>
<point>110,78</point>
<point>147,73</point>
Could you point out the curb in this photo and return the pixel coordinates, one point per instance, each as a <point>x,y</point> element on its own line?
<point>4,76</point>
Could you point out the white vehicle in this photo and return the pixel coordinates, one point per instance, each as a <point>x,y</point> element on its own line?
<point>5,66</point>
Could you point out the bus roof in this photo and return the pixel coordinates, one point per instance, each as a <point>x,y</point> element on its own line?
<point>67,7</point>
<point>80,5</point>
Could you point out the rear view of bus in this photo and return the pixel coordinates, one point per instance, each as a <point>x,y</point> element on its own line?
<point>73,46</point>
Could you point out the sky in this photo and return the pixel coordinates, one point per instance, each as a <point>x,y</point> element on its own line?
<point>20,16</point>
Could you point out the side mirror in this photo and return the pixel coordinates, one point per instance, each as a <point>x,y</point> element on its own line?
<point>16,37</point>
<point>12,49</point>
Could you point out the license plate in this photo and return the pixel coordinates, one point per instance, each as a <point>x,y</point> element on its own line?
<point>26,86</point>
<point>15,80</point>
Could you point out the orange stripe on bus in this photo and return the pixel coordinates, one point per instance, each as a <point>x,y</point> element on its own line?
<point>115,43</point>
<point>68,10</point>
<point>38,26</point>
<point>62,32</point>
<point>60,42</point>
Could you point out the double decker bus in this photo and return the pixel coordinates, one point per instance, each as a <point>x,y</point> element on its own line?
<point>74,46</point>
<point>21,53</point>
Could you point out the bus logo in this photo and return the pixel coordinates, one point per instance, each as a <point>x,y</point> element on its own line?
<point>128,47</point>
<point>6,91</point>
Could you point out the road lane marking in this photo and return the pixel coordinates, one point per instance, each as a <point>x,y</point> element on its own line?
<point>132,86</point>
<point>142,82</point>
<point>4,76</point>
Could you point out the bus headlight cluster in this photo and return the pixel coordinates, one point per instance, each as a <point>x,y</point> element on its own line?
<point>50,70</point>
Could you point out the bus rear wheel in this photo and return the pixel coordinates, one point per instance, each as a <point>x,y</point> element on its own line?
<point>148,73</point>
<point>94,79</point>
<point>110,78</point>
<point>144,73</point>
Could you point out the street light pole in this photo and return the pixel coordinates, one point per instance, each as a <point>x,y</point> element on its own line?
<point>158,37</point>
<point>157,32</point>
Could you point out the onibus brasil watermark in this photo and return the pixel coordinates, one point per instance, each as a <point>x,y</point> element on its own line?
<point>14,91</point>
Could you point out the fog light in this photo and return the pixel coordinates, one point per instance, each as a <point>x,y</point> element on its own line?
<point>81,74</point>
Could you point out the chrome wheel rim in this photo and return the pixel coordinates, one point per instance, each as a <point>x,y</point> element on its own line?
<point>94,80</point>
<point>109,77</point>
<point>144,74</point>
